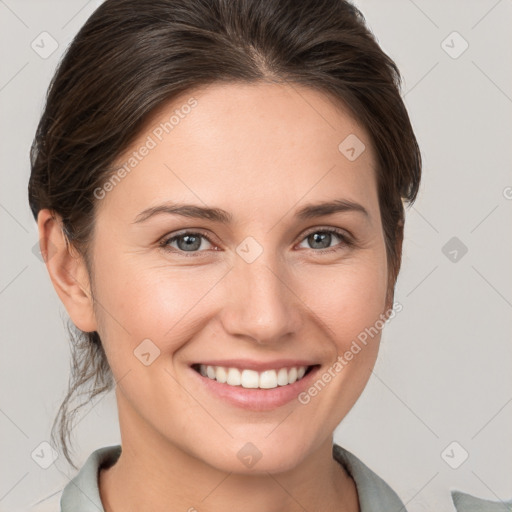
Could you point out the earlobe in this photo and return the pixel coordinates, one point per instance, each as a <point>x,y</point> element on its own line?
<point>67,271</point>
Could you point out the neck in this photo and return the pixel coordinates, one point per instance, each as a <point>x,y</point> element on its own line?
<point>154,474</point>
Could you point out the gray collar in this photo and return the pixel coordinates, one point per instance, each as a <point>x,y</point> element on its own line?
<point>82,492</point>
<point>375,495</point>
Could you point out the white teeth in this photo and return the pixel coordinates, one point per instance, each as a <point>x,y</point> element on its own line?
<point>234,377</point>
<point>250,379</point>
<point>282,377</point>
<point>220,374</point>
<point>267,379</point>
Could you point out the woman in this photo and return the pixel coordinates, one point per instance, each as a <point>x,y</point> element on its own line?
<point>219,192</point>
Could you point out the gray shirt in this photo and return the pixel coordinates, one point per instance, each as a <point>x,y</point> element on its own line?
<point>81,494</point>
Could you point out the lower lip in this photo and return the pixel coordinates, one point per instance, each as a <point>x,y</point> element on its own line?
<point>257,399</point>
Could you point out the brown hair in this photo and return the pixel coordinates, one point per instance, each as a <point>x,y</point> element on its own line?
<point>132,56</point>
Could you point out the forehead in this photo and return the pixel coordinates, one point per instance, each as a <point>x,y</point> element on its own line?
<point>240,144</point>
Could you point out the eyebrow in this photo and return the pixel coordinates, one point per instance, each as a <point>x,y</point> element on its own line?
<point>309,211</point>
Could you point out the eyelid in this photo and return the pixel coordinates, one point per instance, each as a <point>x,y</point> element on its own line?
<point>330,229</point>
<point>190,231</point>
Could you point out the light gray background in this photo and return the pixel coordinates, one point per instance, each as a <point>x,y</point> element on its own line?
<point>444,372</point>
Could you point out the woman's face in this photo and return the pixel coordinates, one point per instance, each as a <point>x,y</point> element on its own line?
<point>238,278</point>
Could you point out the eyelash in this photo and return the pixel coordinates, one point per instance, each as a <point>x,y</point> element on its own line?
<point>346,241</point>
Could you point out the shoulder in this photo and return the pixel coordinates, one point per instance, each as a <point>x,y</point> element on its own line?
<point>374,493</point>
<point>82,491</point>
<point>467,503</point>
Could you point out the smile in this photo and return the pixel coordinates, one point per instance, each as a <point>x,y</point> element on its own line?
<point>252,379</point>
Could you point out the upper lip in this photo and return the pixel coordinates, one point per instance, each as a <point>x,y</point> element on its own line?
<point>259,366</point>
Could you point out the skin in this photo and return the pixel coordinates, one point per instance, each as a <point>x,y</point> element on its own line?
<point>259,152</point>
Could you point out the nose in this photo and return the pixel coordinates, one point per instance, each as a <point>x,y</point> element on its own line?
<point>262,305</point>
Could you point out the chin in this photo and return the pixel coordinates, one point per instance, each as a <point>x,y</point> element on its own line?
<point>260,456</point>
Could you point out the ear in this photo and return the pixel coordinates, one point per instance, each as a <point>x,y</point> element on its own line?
<point>67,270</point>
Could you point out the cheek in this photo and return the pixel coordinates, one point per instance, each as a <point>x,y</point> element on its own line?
<point>160,303</point>
<point>166,306</point>
<point>347,298</point>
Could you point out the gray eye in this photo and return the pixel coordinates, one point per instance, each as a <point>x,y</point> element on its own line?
<point>323,238</point>
<point>320,240</point>
<point>186,242</point>
<point>189,242</point>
